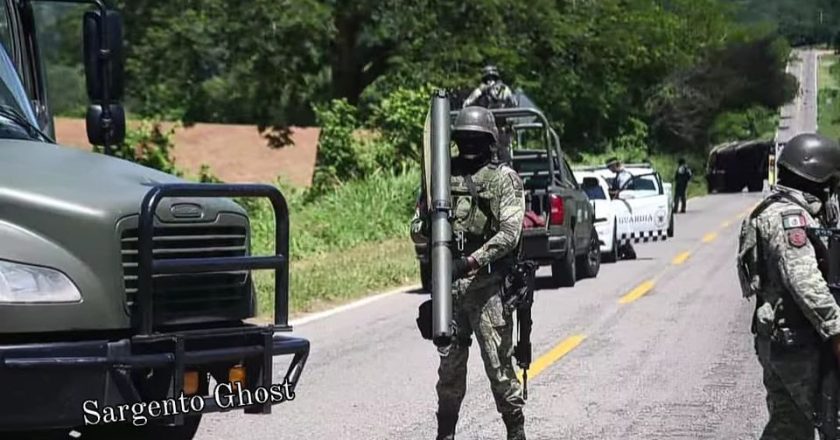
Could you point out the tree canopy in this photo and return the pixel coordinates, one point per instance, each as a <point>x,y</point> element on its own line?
<point>598,68</point>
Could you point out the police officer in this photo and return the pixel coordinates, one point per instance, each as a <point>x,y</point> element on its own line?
<point>681,178</point>
<point>492,93</point>
<point>622,177</point>
<point>795,312</point>
<point>488,208</point>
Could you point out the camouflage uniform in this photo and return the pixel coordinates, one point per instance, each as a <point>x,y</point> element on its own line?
<point>492,94</point>
<point>795,311</point>
<point>491,229</point>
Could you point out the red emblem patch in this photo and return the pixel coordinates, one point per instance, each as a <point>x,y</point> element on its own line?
<point>797,237</point>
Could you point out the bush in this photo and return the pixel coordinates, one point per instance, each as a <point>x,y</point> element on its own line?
<point>148,145</point>
<point>401,118</point>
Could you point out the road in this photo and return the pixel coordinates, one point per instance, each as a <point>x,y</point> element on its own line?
<point>800,116</point>
<point>656,348</point>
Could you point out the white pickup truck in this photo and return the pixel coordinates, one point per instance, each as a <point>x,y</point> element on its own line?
<point>642,211</point>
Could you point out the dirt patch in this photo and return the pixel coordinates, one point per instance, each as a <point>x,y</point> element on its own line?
<point>234,153</point>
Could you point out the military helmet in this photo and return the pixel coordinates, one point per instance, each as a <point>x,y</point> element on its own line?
<point>812,157</point>
<point>475,119</point>
<point>490,72</point>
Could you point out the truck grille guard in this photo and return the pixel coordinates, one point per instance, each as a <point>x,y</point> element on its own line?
<point>262,341</point>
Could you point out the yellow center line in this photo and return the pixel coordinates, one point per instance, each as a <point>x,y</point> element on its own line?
<point>680,258</point>
<point>638,292</point>
<point>725,224</point>
<point>710,237</point>
<point>553,355</point>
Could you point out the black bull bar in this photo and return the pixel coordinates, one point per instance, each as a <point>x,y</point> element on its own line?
<point>71,372</point>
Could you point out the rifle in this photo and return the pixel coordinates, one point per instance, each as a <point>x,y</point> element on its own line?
<point>828,259</point>
<point>520,297</point>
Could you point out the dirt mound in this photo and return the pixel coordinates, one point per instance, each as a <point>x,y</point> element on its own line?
<point>234,153</point>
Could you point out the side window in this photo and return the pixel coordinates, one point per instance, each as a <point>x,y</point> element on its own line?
<point>59,27</point>
<point>568,176</point>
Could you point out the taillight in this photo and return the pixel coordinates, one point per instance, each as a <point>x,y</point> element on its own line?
<point>557,211</point>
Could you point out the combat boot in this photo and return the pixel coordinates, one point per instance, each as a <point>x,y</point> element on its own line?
<point>515,424</point>
<point>446,426</point>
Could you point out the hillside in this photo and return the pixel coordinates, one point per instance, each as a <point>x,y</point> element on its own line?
<point>235,153</point>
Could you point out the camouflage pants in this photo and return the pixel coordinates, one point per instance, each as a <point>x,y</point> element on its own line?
<point>477,308</point>
<point>791,377</point>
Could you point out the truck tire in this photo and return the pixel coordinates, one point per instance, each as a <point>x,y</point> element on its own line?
<point>426,277</point>
<point>756,184</point>
<point>611,256</point>
<point>563,270</point>
<point>148,432</point>
<point>589,263</point>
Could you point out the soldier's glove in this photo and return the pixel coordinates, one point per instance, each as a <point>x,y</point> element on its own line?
<point>461,267</point>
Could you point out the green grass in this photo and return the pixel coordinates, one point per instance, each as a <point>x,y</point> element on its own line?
<point>325,280</point>
<point>344,245</point>
<point>829,96</point>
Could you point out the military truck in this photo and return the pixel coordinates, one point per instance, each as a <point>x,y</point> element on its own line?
<point>734,165</point>
<point>120,284</point>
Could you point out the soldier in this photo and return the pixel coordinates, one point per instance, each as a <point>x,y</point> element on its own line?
<point>681,178</point>
<point>622,177</point>
<point>492,93</point>
<point>488,208</point>
<point>795,312</point>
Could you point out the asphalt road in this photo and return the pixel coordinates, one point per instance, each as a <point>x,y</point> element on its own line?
<point>656,348</point>
<point>800,116</point>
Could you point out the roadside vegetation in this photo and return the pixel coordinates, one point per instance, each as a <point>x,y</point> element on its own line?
<point>829,96</point>
<point>640,80</point>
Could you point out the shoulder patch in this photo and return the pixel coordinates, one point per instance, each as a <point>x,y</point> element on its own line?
<point>797,237</point>
<point>516,181</point>
<point>793,220</point>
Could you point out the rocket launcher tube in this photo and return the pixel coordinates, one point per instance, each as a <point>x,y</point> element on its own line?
<point>441,255</point>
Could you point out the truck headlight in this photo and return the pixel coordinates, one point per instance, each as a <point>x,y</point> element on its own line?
<point>22,283</point>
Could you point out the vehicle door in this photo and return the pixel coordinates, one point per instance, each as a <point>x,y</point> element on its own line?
<point>645,217</point>
<point>578,208</point>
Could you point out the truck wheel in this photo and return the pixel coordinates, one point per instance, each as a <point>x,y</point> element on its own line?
<point>612,255</point>
<point>148,432</point>
<point>426,277</point>
<point>756,184</point>
<point>563,271</point>
<point>590,263</point>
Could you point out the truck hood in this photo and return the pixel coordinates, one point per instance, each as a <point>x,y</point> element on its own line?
<point>64,208</point>
<point>70,181</point>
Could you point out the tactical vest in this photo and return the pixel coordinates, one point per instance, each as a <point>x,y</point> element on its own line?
<point>475,216</point>
<point>752,267</point>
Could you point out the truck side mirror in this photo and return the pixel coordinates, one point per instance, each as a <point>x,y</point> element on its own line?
<point>105,129</point>
<point>103,54</point>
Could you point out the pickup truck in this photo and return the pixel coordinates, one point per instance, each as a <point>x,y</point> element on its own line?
<point>560,222</point>
<point>644,207</point>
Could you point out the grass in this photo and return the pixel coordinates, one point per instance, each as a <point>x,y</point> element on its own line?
<point>829,96</point>
<point>320,281</point>
<point>344,245</point>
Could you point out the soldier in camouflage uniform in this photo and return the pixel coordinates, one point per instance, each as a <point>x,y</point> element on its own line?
<point>795,312</point>
<point>488,208</point>
<point>492,93</point>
